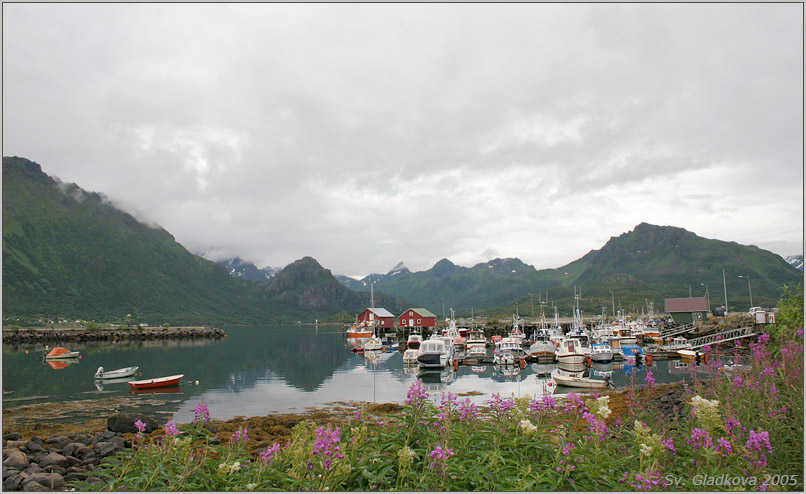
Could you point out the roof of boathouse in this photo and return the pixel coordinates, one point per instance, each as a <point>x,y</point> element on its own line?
<point>381,312</point>
<point>423,312</point>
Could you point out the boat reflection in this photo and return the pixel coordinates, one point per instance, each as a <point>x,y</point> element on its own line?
<point>167,389</point>
<point>61,363</point>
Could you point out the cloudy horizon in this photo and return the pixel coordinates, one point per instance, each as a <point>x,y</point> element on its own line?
<point>364,135</point>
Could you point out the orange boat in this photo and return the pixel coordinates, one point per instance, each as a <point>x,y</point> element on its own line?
<point>59,353</point>
<point>157,382</point>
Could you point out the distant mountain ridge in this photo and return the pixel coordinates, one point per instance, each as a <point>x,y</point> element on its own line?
<point>70,253</point>
<point>649,263</point>
<point>247,270</point>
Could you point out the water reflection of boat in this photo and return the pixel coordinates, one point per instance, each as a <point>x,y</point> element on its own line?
<point>61,363</point>
<point>509,371</point>
<point>478,369</point>
<point>100,383</point>
<point>435,380</point>
<point>578,379</point>
<point>140,391</point>
<point>603,366</point>
<point>543,369</point>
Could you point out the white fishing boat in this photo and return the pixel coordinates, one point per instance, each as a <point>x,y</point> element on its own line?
<point>476,351</point>
<point>373,344</point>
<point>410,356</point>
<point>508,351</point>
<point>414,341</point>
<point>542,348</point>
<point>570,351</point>
<point>452,332</point>
<point>115,374</point>
<point>475,337</point>
<point>435,352</point>
<point>601,352</point>
<point>516,332</point>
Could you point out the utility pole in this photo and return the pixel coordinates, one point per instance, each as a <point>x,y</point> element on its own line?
<point>725,287</point>
<point>748,288</point>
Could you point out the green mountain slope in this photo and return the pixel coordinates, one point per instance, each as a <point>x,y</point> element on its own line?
<point>652,263</point>
<point>69,253</point>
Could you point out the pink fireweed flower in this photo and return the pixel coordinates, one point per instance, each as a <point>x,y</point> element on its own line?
<point>759,441</point>
<point>764,338</point>
<point>171,430</point>
<point>440,457</point>
<point>548,402</point>
<point>768,371</point>
<point>567,448</point>
<point>327,445</point>
<point>202,413</point>
<point>732,424</point>
<point>447,401</point>
<point>501,405</point>
<point>669,444</point>
<point>649,378</point>
<point>575,402</point>
<point>357,415</point>
<point>724,446</point>
<point>140,425</point>
<point>240,436</point>
<point>269,455</point>
<point>700,439</point>
<point>417,395</point>
<point>468,410</point>
<point>596,424</point>
<point>737,381</point>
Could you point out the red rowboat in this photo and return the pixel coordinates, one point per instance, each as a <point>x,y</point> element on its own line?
<point>157,382</point>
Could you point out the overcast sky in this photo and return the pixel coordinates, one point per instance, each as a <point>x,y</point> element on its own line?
<point>368,134</point>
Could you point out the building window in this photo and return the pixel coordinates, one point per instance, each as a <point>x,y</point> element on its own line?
<point>411,313</point>
<point>419,321</point>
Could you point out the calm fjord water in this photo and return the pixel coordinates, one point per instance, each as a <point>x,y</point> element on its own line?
<point>259,370</point>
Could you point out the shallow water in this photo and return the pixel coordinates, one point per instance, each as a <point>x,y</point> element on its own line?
<point>258,370</point>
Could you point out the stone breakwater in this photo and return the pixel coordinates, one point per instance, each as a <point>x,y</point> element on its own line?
<point>45,464</point>
<point>45,335</point>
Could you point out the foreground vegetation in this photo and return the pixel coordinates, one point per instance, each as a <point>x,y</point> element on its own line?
<point>737,429</point>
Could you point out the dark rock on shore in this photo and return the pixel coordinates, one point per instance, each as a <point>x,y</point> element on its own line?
<point>124,422</point>
<point>48,465</point>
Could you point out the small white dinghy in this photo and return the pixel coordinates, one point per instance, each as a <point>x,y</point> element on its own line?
<point>115,374</point>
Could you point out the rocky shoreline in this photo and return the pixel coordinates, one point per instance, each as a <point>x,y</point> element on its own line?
<point>39,464</point>
<point>16,336</point>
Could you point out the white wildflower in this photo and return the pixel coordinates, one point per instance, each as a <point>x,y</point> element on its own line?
<point>646,450</point>
<point>250,487</point>
<point>527,427</point>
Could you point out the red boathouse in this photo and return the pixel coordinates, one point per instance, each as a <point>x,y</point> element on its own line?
<point>417,317</point>
<point>385,318</point>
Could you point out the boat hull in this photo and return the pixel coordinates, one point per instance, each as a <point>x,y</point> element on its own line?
<point>158,382</point>
<point>576,358</point>
<point>432,360</point>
